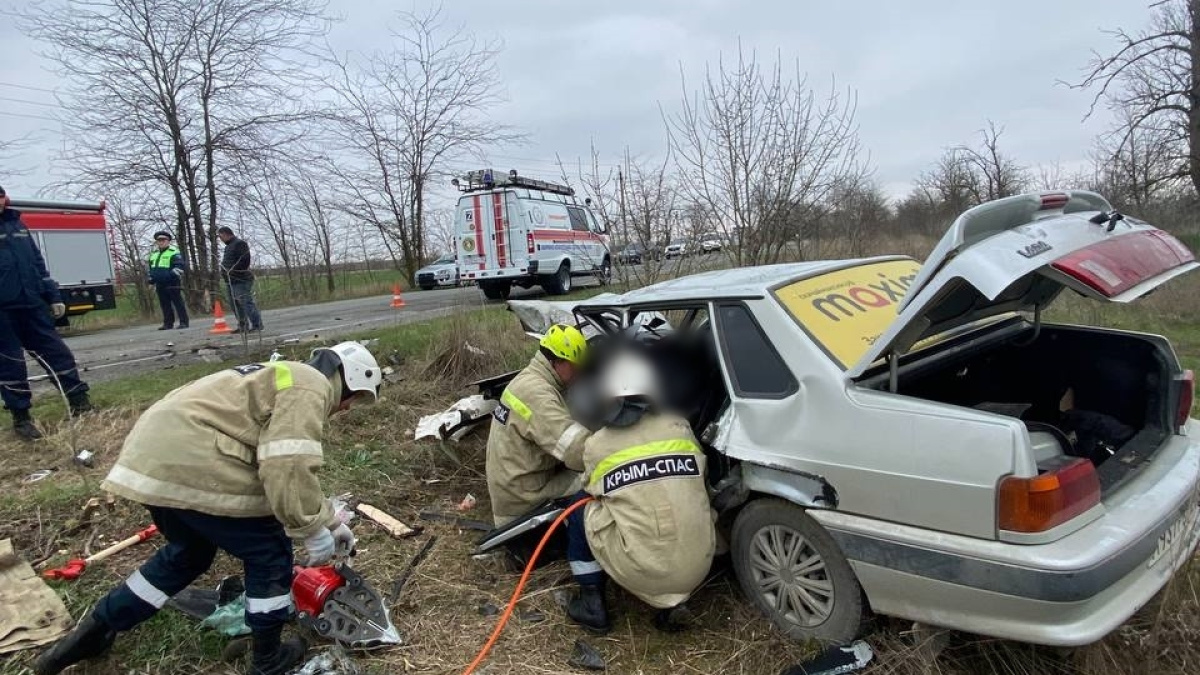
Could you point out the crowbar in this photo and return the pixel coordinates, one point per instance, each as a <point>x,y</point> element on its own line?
<point>74,568</point>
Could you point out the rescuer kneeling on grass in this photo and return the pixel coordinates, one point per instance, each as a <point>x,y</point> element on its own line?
<point>649,526</point>
<point>229,462</point>
<point>535,449</point>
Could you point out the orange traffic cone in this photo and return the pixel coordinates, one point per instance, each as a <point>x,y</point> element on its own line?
<point>397,301</point>
<point>219,325</point>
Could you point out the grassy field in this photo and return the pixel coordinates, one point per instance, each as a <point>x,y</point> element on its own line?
<point>271,292</point>
<point>371,454</point>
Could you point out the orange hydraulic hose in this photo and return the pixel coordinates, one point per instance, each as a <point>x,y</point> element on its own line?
<point>512,603</point>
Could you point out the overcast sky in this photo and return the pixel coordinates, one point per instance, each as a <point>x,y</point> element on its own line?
<point>928,74</point>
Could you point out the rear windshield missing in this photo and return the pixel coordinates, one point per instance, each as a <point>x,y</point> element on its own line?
<point>846,311</point>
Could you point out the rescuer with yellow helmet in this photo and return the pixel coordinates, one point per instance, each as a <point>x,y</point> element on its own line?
<point>535,448</point>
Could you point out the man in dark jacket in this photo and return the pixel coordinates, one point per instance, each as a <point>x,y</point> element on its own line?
<point>235,267</point>
<point>166,274</point>
<point>28,298</point>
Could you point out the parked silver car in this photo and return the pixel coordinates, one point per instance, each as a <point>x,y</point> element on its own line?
<point>917,441</point>
<point>441,272</point>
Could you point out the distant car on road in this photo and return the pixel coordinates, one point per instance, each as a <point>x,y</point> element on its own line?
<point>710,246</point>
<point>677,249</point>
<point>441,272</point>
<point>636,254</point>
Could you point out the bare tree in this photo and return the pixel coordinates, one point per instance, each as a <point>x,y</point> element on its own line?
<point>1154,76</point>
<point>171,95</point>
<point>995,174</point>
<point>756,149</point>
<point>405,115</point>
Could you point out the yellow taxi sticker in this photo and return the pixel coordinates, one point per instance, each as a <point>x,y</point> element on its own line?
<point>846,311</point>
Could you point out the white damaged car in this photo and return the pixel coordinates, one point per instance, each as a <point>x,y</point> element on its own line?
<point>915,440</point>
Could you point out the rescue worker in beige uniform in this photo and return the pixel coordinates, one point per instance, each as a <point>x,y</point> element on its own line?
<point>650,526</point>
<point>535,449</point>
<point>229,462</point>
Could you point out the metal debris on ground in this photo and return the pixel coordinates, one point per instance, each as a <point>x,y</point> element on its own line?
<point>532,616</point>
<point>38,475</point>
<point>386,521</point>
<point>585,656</point>
<point>333,661</point>
<point>84,458</point>
<point>457,420</point>
<point>467,503</point>
<point>398,584</point>
<point>835,661</point>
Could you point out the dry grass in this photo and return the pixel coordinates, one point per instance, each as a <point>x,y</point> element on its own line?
<point>372,455</point>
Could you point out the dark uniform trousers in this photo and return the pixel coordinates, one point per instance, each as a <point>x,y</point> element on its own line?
<point>170,299</point>
<point>31,328</point>
<point>192,542</point>
<point>583,563</point>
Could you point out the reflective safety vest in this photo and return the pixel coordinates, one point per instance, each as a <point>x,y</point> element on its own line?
<point>162,259</point>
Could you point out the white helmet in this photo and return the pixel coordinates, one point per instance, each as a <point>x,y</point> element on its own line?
<point>629,375</point>
<point>360,370</point>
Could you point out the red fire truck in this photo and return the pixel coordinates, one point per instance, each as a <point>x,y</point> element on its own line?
<point>75,241</point>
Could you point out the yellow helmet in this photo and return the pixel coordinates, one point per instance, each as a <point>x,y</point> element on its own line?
<point>565,342</point>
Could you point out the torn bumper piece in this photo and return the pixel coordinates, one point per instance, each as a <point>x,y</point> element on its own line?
<point>458,420</point>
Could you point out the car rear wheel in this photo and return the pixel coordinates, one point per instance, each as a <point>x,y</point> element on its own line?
<point>495,290</point>
<point>794,572</point>
<point>560,282</point>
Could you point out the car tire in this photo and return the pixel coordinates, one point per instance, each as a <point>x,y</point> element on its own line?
<point>558,283</point>
<point>828,604</point>
<point>495,290</point>
<point>427,288</point>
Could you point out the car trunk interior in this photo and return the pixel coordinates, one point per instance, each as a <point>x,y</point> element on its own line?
<point>1088,392</point>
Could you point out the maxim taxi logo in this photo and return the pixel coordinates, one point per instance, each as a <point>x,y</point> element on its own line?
<point>856,299</point>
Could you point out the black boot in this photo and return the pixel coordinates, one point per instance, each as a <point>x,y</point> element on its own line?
<point>272,657</point>
<point>90,639</point>
<point>590,609</point>
<point>24,427</point>
<point>80,404</point>
<point>674,620</point>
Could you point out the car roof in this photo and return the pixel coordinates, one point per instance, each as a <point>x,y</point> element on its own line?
<point>739,282</point>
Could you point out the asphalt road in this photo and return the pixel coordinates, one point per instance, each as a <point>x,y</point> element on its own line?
<point>111,354</point>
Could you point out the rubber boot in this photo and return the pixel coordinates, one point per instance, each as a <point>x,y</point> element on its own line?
<point>273,657</point>
<point>24,427</point>
<point>80,404</point>
<point>90,639</point>
<point>590,609</point>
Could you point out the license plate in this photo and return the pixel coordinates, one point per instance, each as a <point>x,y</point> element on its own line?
<point>1178,535</point>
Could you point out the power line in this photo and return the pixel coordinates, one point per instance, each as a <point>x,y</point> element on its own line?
<point>25,86</point>
<point>25,100</point>
<point>32,117</point>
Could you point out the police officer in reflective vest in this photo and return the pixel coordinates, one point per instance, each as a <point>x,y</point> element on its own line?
<point>650,526</point>
<point>535,449</point>
<point>28,300</point>
<point>166,274</point>
<point>229,462</point>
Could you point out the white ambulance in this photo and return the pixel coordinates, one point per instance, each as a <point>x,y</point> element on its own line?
<point>512,230</point>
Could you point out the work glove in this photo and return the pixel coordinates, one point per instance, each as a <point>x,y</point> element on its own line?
<point>58,309</point>
<point>343,539</point>
<point>177,272</point>
<point>319,547</point>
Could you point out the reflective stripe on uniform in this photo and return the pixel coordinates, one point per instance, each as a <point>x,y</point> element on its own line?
<point>283,375</point>
<point>580,567</point>
<point>567,439</point>
<point>147,485</point>
<point>289,447</point>
<point>268,605</point>
<point>146,591</point>
<point>641,452</point>
<point>516,405</point>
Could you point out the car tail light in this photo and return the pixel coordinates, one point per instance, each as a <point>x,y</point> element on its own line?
<point>1054,200</point>
<point>1187,394</point>
<point>1049,499</point>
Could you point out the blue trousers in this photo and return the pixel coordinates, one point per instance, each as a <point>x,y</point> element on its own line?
<point>192,542</point>
<point>584,567</point>
<point>241,294</point>
<point>32,329</point>
<point>170,299</point>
